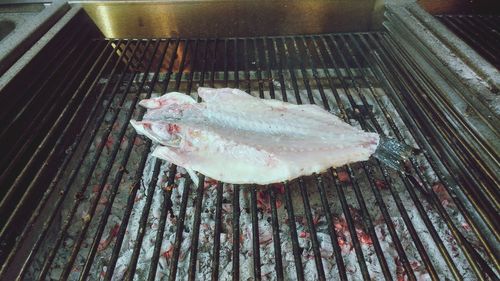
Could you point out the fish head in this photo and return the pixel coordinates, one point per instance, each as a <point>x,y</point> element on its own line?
<point>162,132</point>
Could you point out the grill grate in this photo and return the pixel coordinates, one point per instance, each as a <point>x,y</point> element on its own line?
<point>108,199</point>
<point>481,32</point>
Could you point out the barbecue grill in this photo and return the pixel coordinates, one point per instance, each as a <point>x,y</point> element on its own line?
<point>82,198</point>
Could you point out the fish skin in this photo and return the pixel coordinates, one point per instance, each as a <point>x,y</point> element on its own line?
<point>236,138</point>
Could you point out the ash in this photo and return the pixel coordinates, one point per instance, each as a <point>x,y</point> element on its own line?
<point>267,257</point>
<point>204,259</point>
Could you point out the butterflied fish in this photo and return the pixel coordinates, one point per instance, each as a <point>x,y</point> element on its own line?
<point>234,137</point>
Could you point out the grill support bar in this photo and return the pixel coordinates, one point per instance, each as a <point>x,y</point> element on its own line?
<point>59,174</point>
<point>270,191</point>
<point>295,65</point>
<point>49,190</point>
<point>62,232</point>
<point>463,243</point>
<point>109,165</point>
<point>137,178</point>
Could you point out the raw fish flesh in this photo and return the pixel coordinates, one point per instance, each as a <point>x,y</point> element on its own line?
<point>236,138</point>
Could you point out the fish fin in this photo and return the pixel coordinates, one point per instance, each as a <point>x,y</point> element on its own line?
<point>194,177</point>
<point>173,156</point>
<point>393,153</point>
<point>169,154</point>
<point>166,100</point>
<point>216,95</point>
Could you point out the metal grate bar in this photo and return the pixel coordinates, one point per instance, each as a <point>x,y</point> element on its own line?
<point>18,103</point>
<point>71,214</point>
<point>333,233</point>
<point>270,191</point>
<point>279,63</point>
<point>486,30</point>
<point>270,64</point>
<point>178,233</point>
<point>201,180</point>
<point>236,192</point>
<point>259,66</point>
<point>489,22</point>
<point>460,137</point>
<point>255,233</point>
<point>20,133</point>
<point>217,232</point>
<point>196,229</point>
<point>214,60</point>
<point>480,32</point>
<point>276,235</point>
<point>137,179</point>
<point>43,200</point>
<point>312,230</point>
<point>167,203</point>
<point>193,67</point>
<point>182,212</point>
<point>331,229</point>
<point>466,30</point>
<point>109,164</point>
<point>218,210</point>
<point>236,232</point>
<point>442,179</point>
<point>324,100</point>
<point>350,224</point>
<point>320,181</point>
<point>460,201</point>
<point>226,58</point>
<point>464,244</point>
<point>247,57</point>
<point>236,69</point>
<point>305,200</point>
<point>113,155</point>
<point>142,223</point>
<point>378,196</point>
<point>253,189</point>
<point>288,63</point>
<point>288,201</point>
<point>397,199</point>
<point>144,215</point>
<point>359,196</point>
<point>166,208</point>
<point>22,116</point>
<point>315,73</point>
<point>116,182</point>
<point>369,172</point>
<point>48,223</point>
<point>293,233</point>
<point>450,172</point>
<point>354,208</point>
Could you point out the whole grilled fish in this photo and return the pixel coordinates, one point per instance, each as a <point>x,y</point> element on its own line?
<point>236,138</point>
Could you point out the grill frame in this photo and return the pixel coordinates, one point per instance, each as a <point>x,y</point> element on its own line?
<point>382,63</point>
<point>282,63</point>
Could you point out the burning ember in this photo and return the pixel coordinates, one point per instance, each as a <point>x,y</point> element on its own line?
<point>368,237</point>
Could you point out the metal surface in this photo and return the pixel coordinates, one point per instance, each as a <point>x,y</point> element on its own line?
<point>103,159</point>
<point>481,32</point>
<point>215,18</point>
<point>27,33</point>
<point>444,64</point>
<point>459,7</point>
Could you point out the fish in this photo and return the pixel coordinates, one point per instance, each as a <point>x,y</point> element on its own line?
<point>234,137</point>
